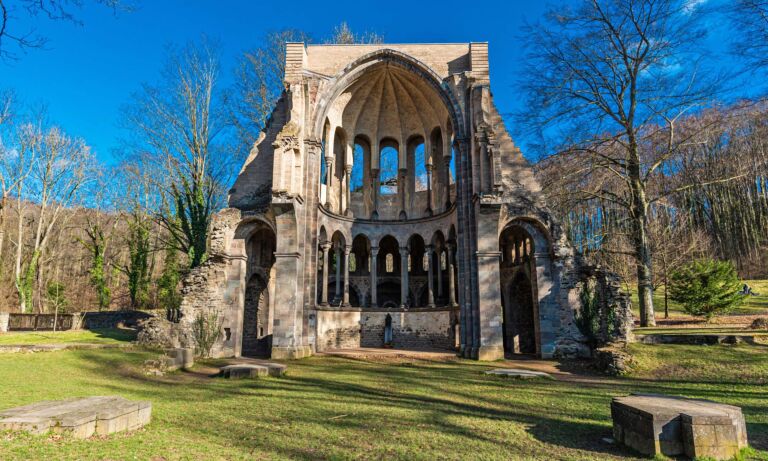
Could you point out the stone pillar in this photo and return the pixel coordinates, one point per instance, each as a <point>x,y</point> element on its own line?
<point>451,281</point>
<point>491,171</point>
<point>482,161</point>
<point>348,174</point>
<point>374,276</point>
<point>430,167</point>
<point>286,332</point>
<point>375,191</point>
<point>347,250</point>
<point>326,247</point>
<point>337,291</point>
<point>401,189</point>
<point>439,255</point>
<point>404,276</point>
<point>430,273</point>
<point>490,318</point>
<point>328,180</point>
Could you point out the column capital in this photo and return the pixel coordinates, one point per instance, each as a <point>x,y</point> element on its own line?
<point>374,250</point>
<point>347,249</point>
<point>429,248</point>
<point>348,169</point>
<point>325,246</point>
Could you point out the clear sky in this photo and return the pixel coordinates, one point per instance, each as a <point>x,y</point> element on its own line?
<point>87,72</point>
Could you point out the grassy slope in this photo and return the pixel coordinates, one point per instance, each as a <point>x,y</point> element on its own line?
<point>106,336</point>
<point>348,409</point>
<point>753,305</point>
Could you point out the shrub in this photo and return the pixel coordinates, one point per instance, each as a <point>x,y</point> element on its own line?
<point>706,288</point>
<point>55,297</point>
<point>206,329</point>
<point>760,323</point>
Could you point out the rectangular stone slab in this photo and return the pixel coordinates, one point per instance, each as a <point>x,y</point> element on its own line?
<point>80,417</point>
<point>658,424</point>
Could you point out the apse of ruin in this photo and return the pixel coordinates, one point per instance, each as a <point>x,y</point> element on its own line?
<point>385,204</point>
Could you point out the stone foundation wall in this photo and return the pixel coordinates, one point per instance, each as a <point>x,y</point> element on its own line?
<point>413,329</point>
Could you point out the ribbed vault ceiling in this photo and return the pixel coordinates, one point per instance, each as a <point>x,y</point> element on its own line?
<point>390,102</point>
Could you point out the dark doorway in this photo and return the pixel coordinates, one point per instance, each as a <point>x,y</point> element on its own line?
<point>518,275</point>
<point>256,340</point>
<point>519,316</point>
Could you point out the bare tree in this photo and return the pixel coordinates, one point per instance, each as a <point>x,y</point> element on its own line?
<point>181,132</point>
<point>608,79</point>
<point>13,40</point>
<point>751,20</point>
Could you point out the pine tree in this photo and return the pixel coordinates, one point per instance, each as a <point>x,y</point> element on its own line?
<point>706,288</point>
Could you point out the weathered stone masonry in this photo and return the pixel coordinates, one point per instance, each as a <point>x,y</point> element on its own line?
<point>385,203</point>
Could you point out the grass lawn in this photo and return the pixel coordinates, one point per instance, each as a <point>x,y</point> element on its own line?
<point>342,408</point>
<point>106,336</point>
<point>704,330</point>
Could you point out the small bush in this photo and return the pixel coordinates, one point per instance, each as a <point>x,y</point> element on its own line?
<point>206,330</point>
<point>706,288</point>
<point>760,323</point>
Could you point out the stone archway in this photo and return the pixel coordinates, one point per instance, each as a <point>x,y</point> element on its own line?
<point>257,341</point>
<point>518,278</point>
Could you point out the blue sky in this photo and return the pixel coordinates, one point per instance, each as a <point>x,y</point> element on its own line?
<point>87,72</point>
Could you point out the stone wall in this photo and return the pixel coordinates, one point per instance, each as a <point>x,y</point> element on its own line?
<point>79,320</point>
<point>411,329</point>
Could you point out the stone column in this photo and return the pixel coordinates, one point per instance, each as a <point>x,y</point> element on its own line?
<point>490,317</point>
<point>337,292</point>
<point>374,275</point>
<point>482,160</point>
<point>491,171</point>
<point>347,250</point>
<point>348,174</point>
<point>451,282</point>
<point>326,247</point>
<point>430,273</point>
<point>439,255</point>
<point>375,191</point>
<point>401,189</point>
<point>429,187</point>
<point>447,161</point>
<point>404,276</point>
<point>328,180</point>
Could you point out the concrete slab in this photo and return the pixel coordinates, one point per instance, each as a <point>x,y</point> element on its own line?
<point>80,417</point>
<point>518,373</point>
<point>666,425</point>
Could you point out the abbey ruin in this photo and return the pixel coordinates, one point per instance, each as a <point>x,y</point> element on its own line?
<point>385,204</point>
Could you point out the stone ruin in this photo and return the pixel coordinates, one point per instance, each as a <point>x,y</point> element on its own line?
<point>385,204</point>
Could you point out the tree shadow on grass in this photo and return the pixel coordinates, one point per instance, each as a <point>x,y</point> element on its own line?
<point>449,399</point>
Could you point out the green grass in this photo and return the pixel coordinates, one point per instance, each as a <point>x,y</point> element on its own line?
<point>106,336</point>
<point>752,305</point>
<point>713,330</point>
<point>337,408</point>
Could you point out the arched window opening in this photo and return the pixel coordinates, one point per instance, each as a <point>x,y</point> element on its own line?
<point>420,173</point>
<point>452,166</point>
<point>356,179</point>
<point>388,164</point>
<point>390,263</point>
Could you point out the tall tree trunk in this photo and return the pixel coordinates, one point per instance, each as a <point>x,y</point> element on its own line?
<point>639,215</point>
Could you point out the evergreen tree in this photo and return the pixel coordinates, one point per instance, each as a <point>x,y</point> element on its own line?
<point>706,288</point>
